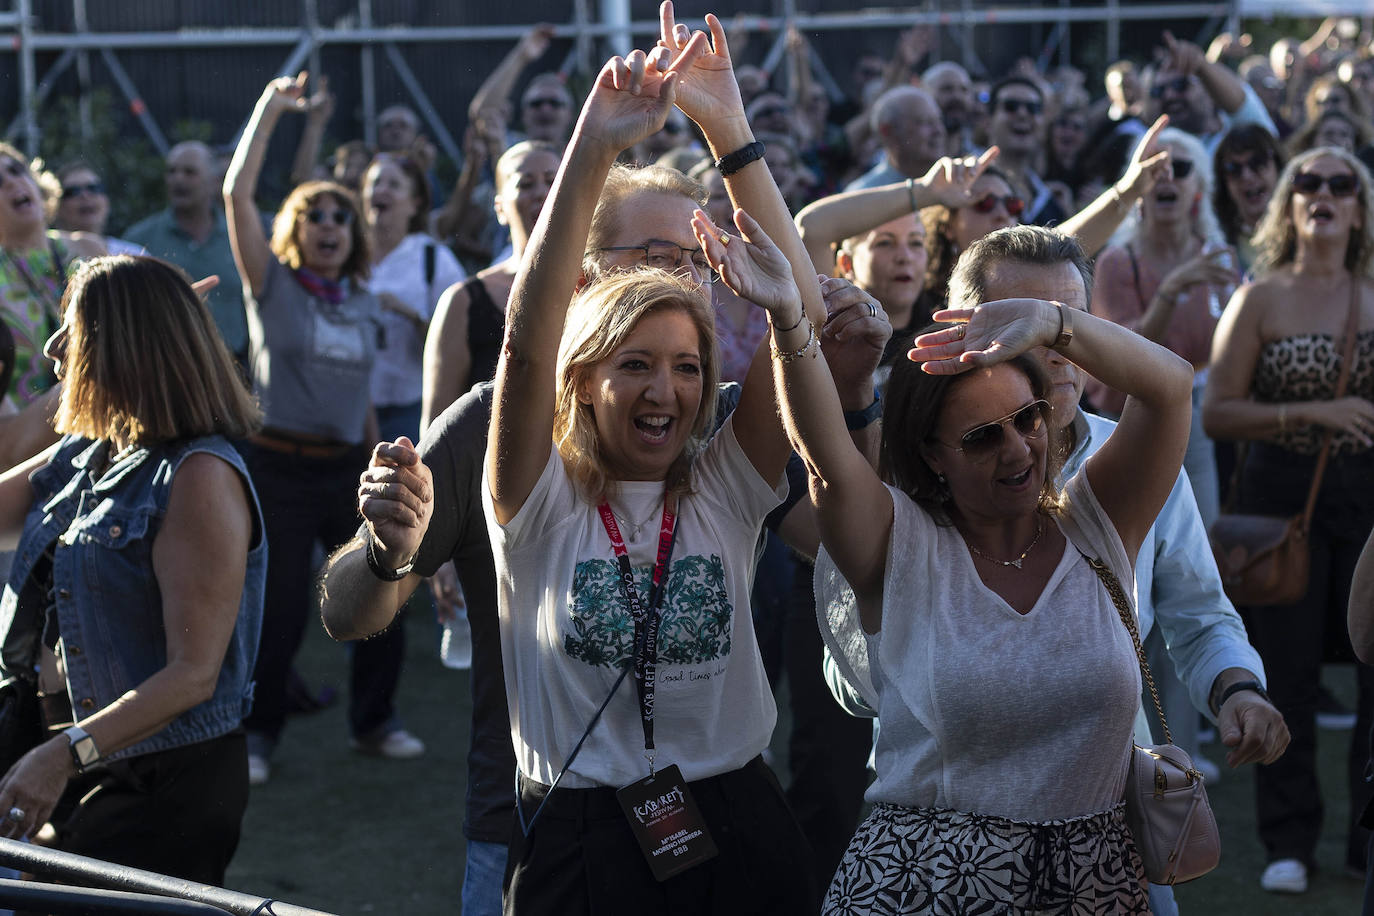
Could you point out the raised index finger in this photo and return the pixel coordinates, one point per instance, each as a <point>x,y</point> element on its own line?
<point>667,24</point>
<point>1148,144</point>
<point>722,47</point>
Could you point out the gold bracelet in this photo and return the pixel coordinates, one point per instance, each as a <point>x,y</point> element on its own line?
<point>1283,417</point>
<point>790,356</point>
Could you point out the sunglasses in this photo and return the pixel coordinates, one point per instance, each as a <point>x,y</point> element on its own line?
<point>76,190</point>
<point>546,103</point>
<point>983,442</point>
<point>1182,167</point>
<point>1340,185</point>
<point>1013,204</point>
<point>1178,85</point>
<point>1012,106</point>
<point>1234,168</point>
<point>317,216</point>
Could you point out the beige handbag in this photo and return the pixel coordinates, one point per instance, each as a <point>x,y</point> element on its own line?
<point>1166,805</point>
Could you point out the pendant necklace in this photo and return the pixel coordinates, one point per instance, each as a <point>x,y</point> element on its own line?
<point>1039,530</point>
<point>635,527</point>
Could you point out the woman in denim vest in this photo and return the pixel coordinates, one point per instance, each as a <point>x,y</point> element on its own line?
<point>135,600</point>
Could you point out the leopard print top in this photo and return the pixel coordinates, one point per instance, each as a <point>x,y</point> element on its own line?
<point>1306,367</point>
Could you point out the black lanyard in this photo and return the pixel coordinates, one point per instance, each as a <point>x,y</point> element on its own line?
<point>646,617</point>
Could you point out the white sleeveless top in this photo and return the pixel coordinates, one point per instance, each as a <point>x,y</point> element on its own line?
<point>985,710</point>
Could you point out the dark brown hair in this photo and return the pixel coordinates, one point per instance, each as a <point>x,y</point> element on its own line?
<point>285,227</point>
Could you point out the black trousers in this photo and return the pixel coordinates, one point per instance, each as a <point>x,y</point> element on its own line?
<point>1294,641</point>
<point>175,812</point>
<point>582,860</point>
<point>305,500</point>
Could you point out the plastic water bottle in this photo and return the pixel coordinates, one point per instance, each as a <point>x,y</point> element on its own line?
<point>455,644</point>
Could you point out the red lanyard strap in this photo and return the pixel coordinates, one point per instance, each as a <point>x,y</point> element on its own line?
<point>646,617</point>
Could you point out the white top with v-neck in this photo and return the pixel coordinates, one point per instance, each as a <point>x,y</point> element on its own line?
<point>986,710</point>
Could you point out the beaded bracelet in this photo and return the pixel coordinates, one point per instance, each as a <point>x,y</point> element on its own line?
<point>790,356</point>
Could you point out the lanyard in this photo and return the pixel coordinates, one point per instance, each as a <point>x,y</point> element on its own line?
<point>646,617</point>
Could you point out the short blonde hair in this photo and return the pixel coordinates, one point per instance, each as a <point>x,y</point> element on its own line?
<point>1276,241</point>
<point>144,361</point>
<point>286,243</point>
<point>600,319</point>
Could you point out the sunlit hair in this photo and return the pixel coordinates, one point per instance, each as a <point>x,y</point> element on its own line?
<point>941,251</point>
<point>1031,246</point>
<point>286,226</point>
<point>625,182</point>
<point>1312,110</point>
<point>1276,241</point>
<point>912,405</point>
<point>143,361</point>
<point>1204,219</point>
<point>1242,140</point>
<point>510,160</point>
<point>419,187</point>
<point>600,319</point>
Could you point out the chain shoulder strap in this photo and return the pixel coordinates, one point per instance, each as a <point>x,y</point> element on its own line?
<point>1123,607</point>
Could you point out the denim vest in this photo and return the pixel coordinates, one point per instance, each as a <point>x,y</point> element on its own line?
<point>109,608</point>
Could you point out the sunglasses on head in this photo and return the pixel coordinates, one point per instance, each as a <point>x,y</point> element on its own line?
<point>76,190</point>
<point>1013,204</point>
<point>983,442</point>
<point>1234,168</point>
<point>1012,106</point>
<point>1182,167</point>
<point>1310,183</point>
<point>1178,85</point>
<point>316,216</point>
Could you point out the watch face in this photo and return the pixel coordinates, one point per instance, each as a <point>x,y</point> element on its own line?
<point>85,750</point>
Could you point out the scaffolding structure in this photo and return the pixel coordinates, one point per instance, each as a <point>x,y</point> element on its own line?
<point>612,25</point>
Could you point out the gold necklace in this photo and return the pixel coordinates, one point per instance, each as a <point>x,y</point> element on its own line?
<point>1039,530</point>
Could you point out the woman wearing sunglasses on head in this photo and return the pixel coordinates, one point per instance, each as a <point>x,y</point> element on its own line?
<point>1168,278</point>
<point>961,605</point>
<point>313,338</point>
<point>1276,361</point>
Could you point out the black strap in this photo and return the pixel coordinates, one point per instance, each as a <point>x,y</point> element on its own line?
<point>430,256</point>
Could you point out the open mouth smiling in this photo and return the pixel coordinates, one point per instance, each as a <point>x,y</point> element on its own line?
<point>653,428</point>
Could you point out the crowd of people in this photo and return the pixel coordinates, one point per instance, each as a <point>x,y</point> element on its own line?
<point>707,380</point>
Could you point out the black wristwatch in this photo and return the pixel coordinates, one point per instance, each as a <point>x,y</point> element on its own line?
<point>84,752</point>
<point>858,419</point>
<point>731,163</point>
<point>1237,687</point>
<point>380,571</point>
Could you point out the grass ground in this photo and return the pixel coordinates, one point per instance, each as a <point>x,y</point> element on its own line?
<point>355,835</point>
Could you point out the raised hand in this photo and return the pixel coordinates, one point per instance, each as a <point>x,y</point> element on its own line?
<point>396,499</point>
<point>535,42</point>
<point>855,333</point>
<point>707,91</point>
<point>286,93</point>
<point>320,104</point>
<point>1185,57</point>
<point>951,180</point>
<point>749,263</point>
<point>987,334</point>
<point>1148,163</point>
<point>632,96</point>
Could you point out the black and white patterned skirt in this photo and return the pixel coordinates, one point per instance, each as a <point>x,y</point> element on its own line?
<point>923,860</point>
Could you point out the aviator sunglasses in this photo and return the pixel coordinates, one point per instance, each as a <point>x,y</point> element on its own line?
<point>316,216</point>
<point>1013,204</point>
<point>1311,183</point>
<point>983,442</point>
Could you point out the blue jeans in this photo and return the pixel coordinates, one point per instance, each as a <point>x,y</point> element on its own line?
<point>1162,902</point>
<point>482,878</point>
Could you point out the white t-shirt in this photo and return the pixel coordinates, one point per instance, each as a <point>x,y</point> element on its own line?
<point>566,632</point>
<point>397,375</point>
<point>983,709</point>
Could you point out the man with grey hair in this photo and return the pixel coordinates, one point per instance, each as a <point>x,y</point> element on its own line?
<point>191,233</point>
<point>952,89</point>
<point>911,131</point>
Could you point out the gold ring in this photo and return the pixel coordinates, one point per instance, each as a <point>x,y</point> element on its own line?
<point>725,238</point>
<point>962,330</point>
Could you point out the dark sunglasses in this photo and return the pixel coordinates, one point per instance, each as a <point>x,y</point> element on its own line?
<point>546,103</point>
<point>1178,85</point>
<point>317,216</point>
<point>1013,204</point>
<point>1311,183</point>
<point>983,442</point>
<point>1234,168</point>
<point>76,190</point>
<point>1012,106</point>
<point>1182,167</point>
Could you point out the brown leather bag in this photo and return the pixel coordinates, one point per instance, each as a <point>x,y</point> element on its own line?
<point>1263,559</point>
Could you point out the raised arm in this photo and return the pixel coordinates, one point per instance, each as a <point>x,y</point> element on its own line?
<point>629,101</point>
<point>1226,89</point>
<point>318,110</point>
<point>1134,471</point>
<point>252,253</point>
<point>831,220</point>
<point>496,89</point>
<point>1094,224</point>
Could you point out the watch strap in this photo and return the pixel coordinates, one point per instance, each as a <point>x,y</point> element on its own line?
<point>858,419</point>
<point>380,571</point>
<point>1237,687</point>
<point>731,163</point>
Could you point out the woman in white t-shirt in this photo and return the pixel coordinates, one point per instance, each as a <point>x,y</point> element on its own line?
<point>960,603</point>
<point>601,470</point>
<point>410,271</point>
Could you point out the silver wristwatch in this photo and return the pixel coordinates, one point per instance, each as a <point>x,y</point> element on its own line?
<point>84,752</point>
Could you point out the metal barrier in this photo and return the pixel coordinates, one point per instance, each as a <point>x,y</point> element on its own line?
<point>101,887</point>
